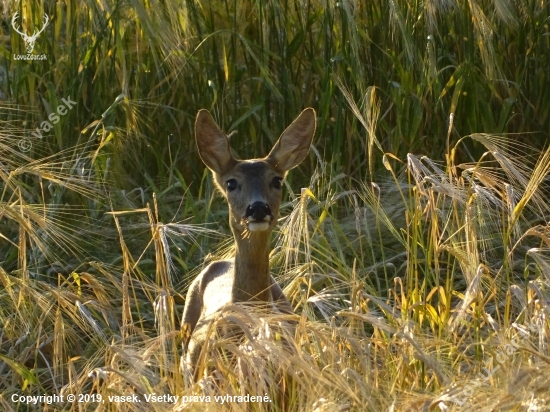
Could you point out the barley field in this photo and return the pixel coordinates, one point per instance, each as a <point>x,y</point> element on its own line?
<point>414,240</point>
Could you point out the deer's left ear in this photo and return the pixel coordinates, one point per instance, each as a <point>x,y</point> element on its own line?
<point>213,144</point>
<point>293,145</point>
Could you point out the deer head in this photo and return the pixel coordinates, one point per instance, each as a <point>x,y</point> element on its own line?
<point>253,187</point>
<point>30,41</point>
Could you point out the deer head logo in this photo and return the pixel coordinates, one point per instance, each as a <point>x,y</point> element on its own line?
<point>30,41</point>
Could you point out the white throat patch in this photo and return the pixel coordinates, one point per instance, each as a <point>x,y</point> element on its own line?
<point>258,226</point>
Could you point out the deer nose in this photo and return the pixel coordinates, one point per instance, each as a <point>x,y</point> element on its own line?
<point>257,211</point>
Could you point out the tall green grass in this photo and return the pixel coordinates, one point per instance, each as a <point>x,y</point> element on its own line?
<point>416,251</point>
<point>441,70</point>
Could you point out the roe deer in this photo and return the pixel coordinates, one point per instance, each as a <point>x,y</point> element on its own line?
<point>252,189</point>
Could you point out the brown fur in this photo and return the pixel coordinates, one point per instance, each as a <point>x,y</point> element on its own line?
<point>246,277</point>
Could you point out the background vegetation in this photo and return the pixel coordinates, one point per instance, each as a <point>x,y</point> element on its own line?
<point>417,252</point>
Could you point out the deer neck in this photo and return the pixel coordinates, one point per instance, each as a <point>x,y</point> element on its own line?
<point>252,280</point>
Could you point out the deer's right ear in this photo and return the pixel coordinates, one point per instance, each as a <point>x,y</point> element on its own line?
<point>212,143</point>
<point>293,145</point>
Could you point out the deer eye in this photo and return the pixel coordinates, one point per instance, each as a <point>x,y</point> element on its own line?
<point>276,182</point>
<point>231,185</point>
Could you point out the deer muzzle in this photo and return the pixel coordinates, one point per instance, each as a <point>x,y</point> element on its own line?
<point>258,215</point>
